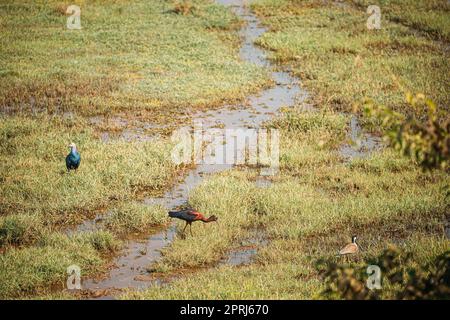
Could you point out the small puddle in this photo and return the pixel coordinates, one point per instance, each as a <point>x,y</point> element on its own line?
<point>126,130</point>
<point>89,225</point>
<point>361,144</point>
<point>239,257</point>
<point>244,254</point>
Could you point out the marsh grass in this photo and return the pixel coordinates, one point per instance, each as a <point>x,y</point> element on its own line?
<point>222,196</point>
<point>34,178</point>
<point>136,57</point>
<point>330,48</point>
<point>20,229</point>
<point>32,270</point>
<point>38,197</point>
<point>135,217</point>
<point>430,17</point>
<point>308,213</point>
<point>144,57</point>
<point>319,200</point>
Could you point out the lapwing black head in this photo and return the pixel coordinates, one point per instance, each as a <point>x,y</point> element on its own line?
<point>350,248</point>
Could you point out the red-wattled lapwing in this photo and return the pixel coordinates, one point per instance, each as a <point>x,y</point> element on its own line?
<point>350,248</point>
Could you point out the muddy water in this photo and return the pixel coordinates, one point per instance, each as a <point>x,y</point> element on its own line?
<point>130,268</point>
<point>247,249</point>
<point>361,143</point>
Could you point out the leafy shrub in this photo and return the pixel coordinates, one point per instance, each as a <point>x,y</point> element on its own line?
<point>426,141</point>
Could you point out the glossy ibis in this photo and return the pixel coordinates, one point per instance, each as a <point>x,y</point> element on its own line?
<point>190,216</point>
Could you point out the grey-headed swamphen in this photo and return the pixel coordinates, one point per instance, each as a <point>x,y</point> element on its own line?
<point>73,159</point>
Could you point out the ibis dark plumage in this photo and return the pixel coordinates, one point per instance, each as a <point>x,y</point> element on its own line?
<point>73,159</point>
<point>190,216</point>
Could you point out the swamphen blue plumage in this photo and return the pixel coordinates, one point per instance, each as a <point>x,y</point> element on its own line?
<point>73,159</point>
<point>190,216</point>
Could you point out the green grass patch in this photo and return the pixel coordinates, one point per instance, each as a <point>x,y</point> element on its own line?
<point>20,229</point>
<point>135,217</point>
<point>127,56</point>
<point>330,48</point>
<point>34,269</point>
<point>34,178</point>
<point>430,17</point>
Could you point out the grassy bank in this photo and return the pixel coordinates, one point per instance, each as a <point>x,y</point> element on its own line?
<point>33,270</point>
<point>130,57</point>
<point>222,196</point>
<point>328,45</point>
<point>34,177</point>
<point>38,198</point>
<point>429,17</point>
